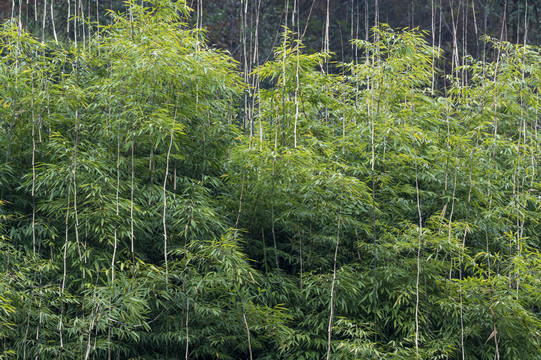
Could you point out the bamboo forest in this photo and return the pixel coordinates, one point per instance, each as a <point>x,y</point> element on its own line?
<point>264,179</point>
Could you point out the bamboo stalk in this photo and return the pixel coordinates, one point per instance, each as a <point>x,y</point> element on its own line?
<point>331,301</point>
<point>420,236</point>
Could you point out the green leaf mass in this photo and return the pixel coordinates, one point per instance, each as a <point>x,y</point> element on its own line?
<point>146,214</point>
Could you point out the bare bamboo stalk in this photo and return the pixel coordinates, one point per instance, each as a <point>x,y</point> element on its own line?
<point>475,27</point>
<point>376,10</point>
<point>284,55</point>
<point>63,284</point>
<point>504,19</point>
<point>67,232</point>
<point>165,197</point>
<point>449,225</point>
<point>331,302</point>
<point>522,131</point>
<point>433,33</point>
<point>82,21</point>
<point>366,21</point>
<point>150,169</point>
<point>52,22</point>
<point>420,236</point>
<point>75,23</point>
<point>89,24</point>
<point>109,357</point>
<point>300,254</point>
<point>184,288</point>
<point>97,19</point>
<point>247,332</point>
<point>461,255</point>
<point>464,73</point>
<point>240,203</point>
<point>532,146</point>
<point>43,22</point>
<point>327,23</point>
<point>40,315</point>
<point>297,83</point>
<point>115,244</point>
<point>489,265</point>
<point>371,113</point>
<point>455,57</point>
<point>257,76</point>
<point>187,322</point>
<point>132,234</point>
<point>68,17</point>
<point>243,40</point>
<point>352,27</point>
<point>61,325</point>
<point>75,183</point>
<point>245,321</point>
<point>92,321</point>
<point>307,20</point>
<point>272,196</point>
<point>33,168</point>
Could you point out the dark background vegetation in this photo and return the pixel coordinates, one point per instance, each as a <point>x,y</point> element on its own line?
<point>349,19</point>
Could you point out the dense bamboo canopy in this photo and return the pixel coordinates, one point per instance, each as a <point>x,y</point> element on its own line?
<point>161,198</point>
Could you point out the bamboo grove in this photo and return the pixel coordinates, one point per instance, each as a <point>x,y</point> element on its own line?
<point>159,203</point>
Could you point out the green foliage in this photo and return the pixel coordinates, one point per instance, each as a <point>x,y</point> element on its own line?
<point>138,221</point>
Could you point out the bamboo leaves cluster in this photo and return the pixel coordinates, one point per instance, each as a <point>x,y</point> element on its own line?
<point>363,214</point>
